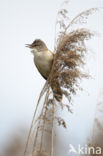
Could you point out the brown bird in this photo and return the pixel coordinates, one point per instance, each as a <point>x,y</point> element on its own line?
<point>43,57</point>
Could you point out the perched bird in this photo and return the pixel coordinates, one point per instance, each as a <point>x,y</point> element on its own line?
<point>43,57</point>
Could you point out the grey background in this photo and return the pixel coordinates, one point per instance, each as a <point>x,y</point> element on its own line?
<point>21,22</point>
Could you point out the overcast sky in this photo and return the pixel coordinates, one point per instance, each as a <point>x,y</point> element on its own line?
<point>21,22</point>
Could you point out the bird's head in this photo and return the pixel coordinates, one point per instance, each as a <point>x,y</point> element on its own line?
<point>37,46</point>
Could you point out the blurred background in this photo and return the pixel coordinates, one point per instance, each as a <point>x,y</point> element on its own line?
<point>21,22</point>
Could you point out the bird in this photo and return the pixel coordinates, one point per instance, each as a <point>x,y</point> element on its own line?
<point>43,57</point>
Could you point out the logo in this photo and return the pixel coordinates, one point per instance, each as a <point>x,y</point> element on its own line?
<point>85,150</point>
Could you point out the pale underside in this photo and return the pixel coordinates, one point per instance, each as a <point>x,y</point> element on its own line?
<point>43,62</point>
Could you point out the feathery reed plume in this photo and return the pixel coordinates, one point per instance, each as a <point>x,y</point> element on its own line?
<point>68,59</point>
<point>64,81</point>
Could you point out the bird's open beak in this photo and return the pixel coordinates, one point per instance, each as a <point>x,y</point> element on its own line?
<point>28,45</point>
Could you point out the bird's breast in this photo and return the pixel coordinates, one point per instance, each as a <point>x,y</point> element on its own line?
<point>43,61</point>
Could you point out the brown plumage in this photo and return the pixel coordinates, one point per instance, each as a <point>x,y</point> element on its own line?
<point>43,57</point>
